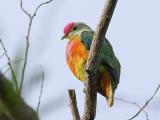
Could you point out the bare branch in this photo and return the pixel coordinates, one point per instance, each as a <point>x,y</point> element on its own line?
<point>146,103</point>
<point>73,104</point>
<point>92,62</point>
<point>40,95</point>
<point>133,103</point>
<point>26,55</point>
<point>31,17</point>
<point>10,66</point>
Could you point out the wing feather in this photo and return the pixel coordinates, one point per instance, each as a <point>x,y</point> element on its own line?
<point>107,56</point>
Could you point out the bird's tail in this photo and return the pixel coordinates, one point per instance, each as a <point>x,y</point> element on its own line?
<point>107,88</point>
<point>109,94</point>
<point>110,100</point>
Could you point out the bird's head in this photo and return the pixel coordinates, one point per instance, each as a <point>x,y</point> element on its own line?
<point>73,29</point>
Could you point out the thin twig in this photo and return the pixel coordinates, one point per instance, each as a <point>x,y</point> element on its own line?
<point>92,62</point>
<point>26,55</point>
<point>13,62</point>
<point>40,95</point>
<point>2,55</point>
<point>10,66</point>
<point>31,17</point>
<point>35,12</point>
<point>73,104</point>
<point>25,11</point>
<point>133,103</point>
<point>146,103</point>
<point>27,44</point>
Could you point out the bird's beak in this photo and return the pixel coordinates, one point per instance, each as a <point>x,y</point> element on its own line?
<point>64,36</point>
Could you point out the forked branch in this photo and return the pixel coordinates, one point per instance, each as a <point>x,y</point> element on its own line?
<point>31,17</point>
<point>135,104</point>
<point>146,103</point>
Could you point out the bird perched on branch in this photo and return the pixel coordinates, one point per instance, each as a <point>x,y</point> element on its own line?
<point>80,38</point>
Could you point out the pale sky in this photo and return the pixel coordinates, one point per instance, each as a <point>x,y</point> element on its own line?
<point>133,33</point>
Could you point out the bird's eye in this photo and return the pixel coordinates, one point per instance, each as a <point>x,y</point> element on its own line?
<point>74,28</point>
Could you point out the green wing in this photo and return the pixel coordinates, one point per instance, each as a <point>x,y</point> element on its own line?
<point>107,57</point>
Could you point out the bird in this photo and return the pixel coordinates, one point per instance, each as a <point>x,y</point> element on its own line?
<point>80,37</point>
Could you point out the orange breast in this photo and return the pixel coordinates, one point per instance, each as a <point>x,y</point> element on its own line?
<point>76,57</point>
